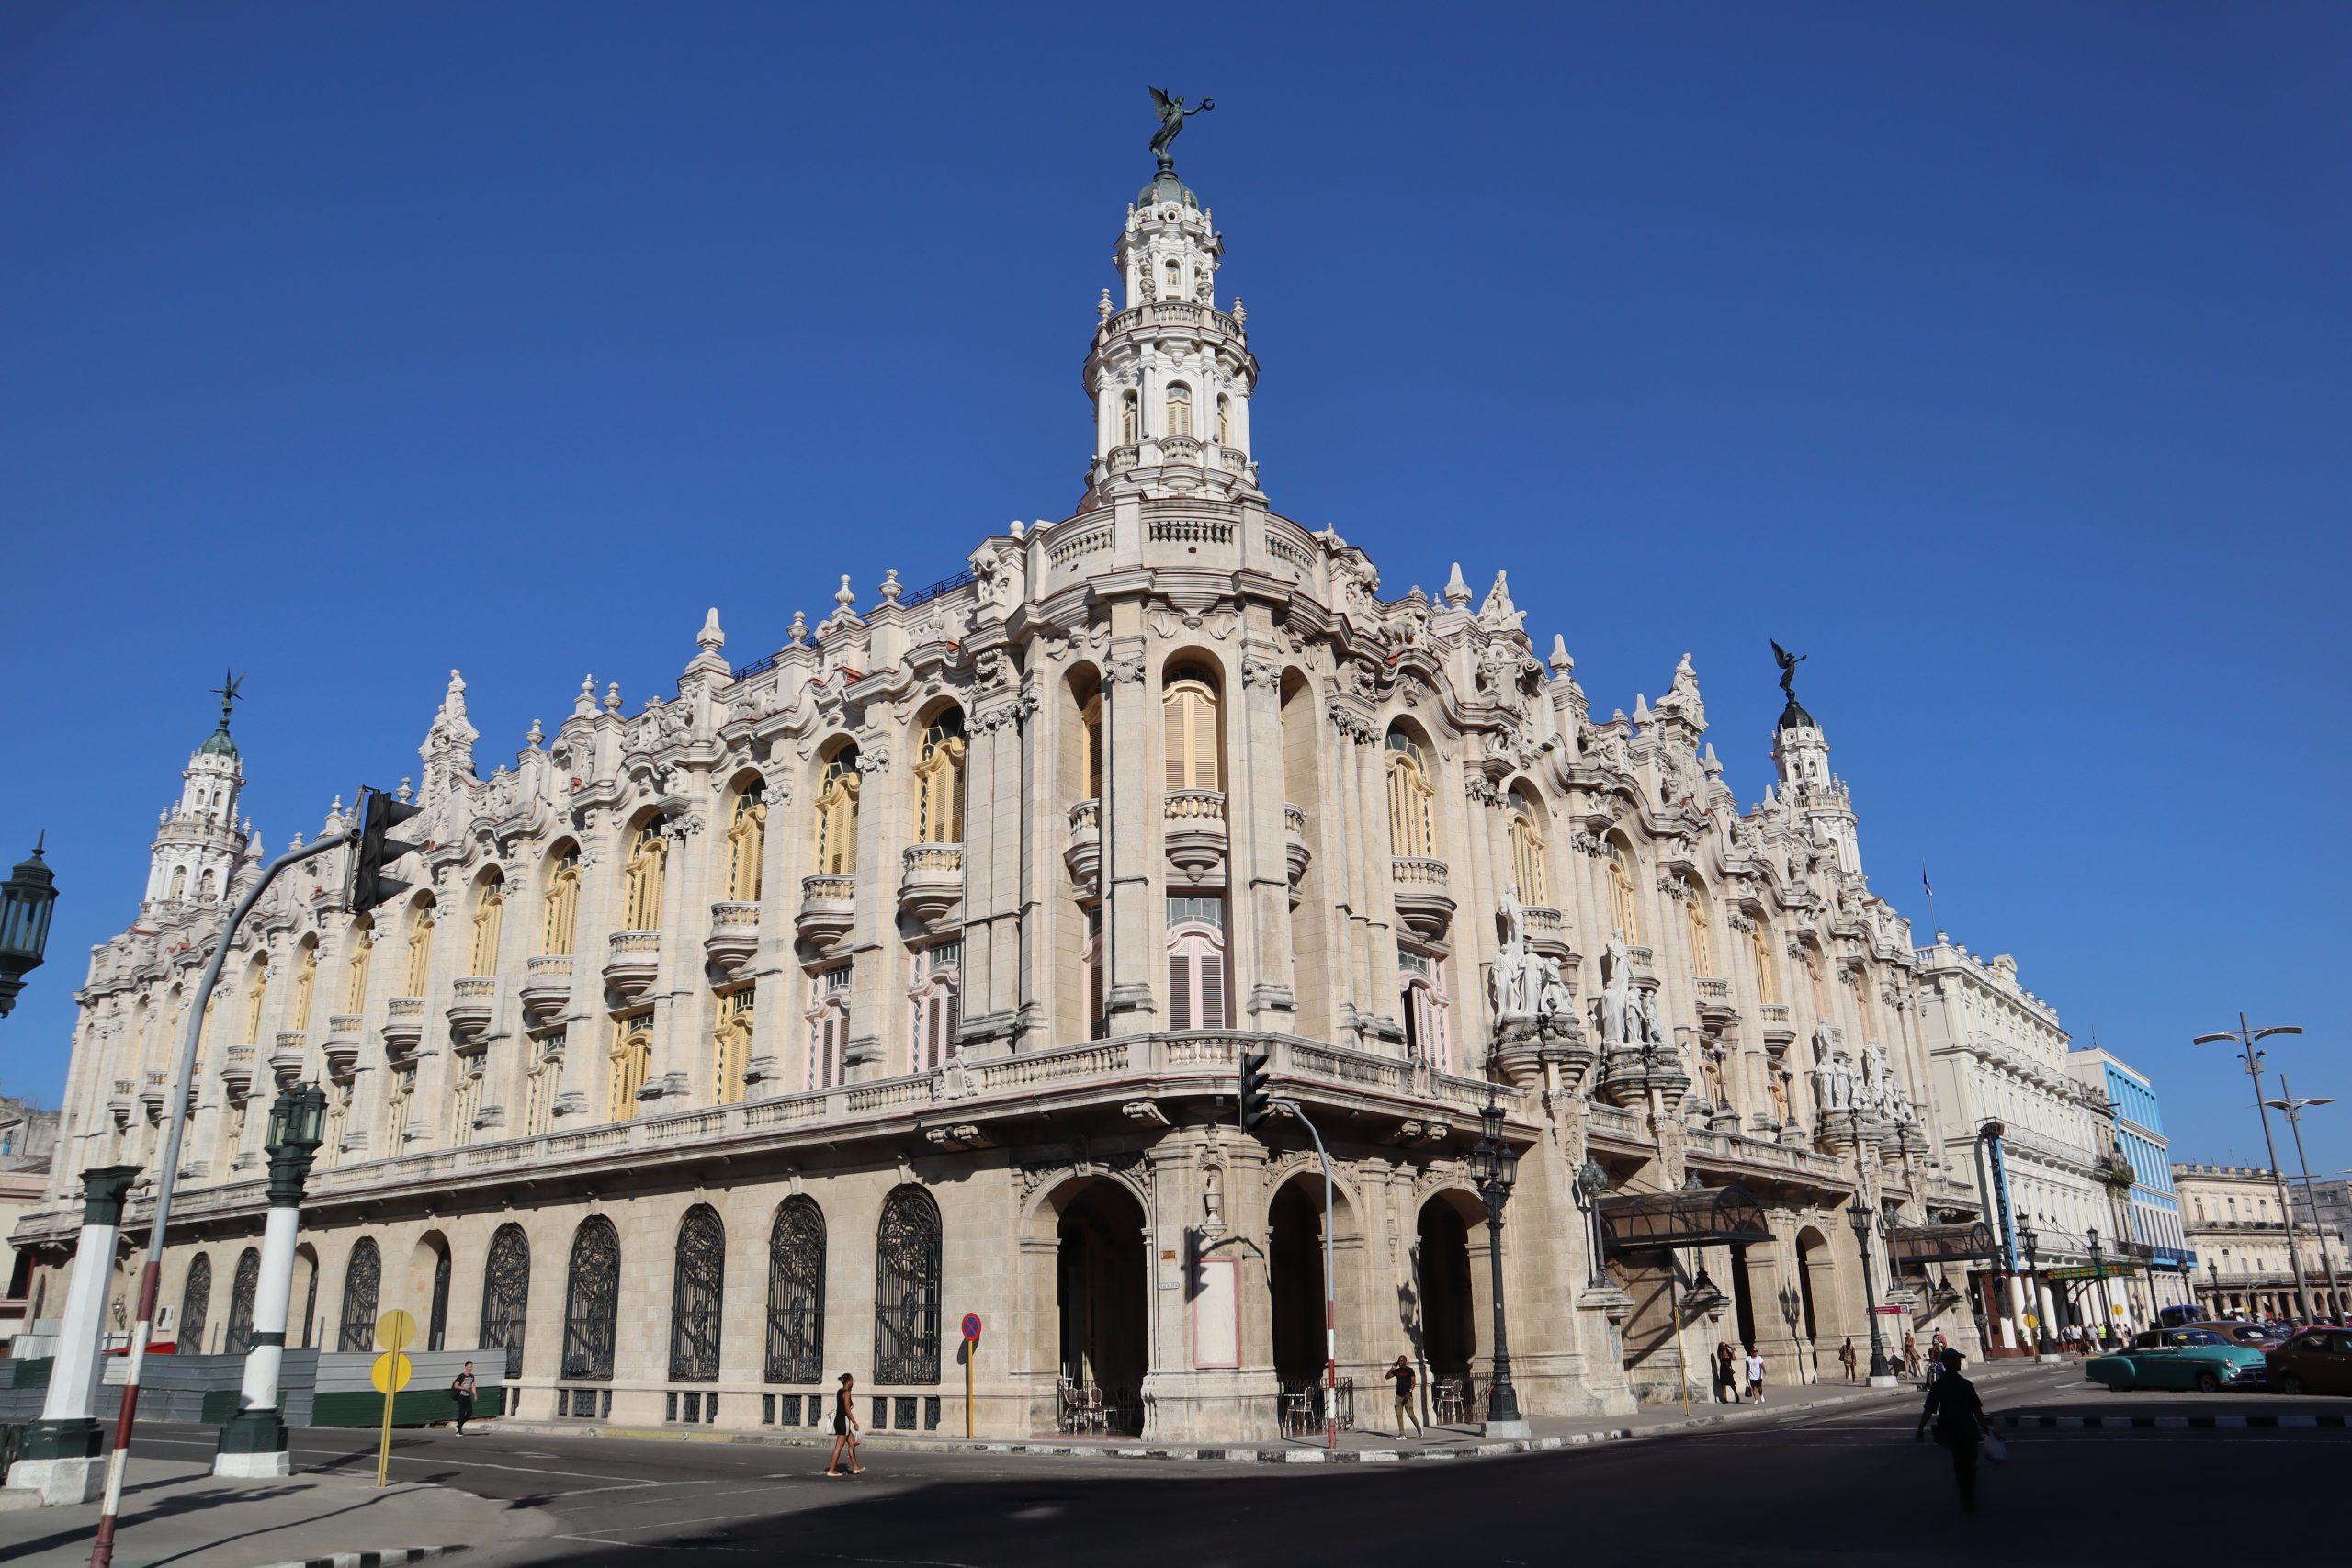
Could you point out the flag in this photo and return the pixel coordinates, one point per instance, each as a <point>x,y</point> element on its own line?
<point>1922,880</point>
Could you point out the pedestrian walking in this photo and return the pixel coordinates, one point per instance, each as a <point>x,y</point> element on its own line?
<point>461,1389</point>
<point>1402,1374</point>
<point>1910,1354</point>
<point>1960,1424</point>
<point>1755,1375</point>
<point>844,1429</point>
<point>1846,1358</point>
<point>1726,1375</point>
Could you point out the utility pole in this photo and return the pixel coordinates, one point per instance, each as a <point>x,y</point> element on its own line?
<point>2245,1038</point>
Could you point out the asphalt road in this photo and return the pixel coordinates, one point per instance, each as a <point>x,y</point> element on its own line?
<point>1844,1486</point>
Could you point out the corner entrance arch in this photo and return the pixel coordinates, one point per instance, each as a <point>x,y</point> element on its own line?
<point>1449,1295</point>
<point>1102,1307</point>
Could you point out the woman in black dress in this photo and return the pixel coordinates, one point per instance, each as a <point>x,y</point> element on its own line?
<point>844,1430</point>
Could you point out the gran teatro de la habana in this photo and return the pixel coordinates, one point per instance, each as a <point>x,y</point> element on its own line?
<point>763,1033</point>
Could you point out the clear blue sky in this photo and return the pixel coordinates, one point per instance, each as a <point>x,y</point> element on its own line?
<point>1996,356</point>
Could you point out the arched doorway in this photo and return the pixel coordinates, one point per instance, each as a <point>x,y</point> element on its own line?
<point>1295,1282</point>
<point>1814,1285</point>
<point>1449,1316</point>
<point>1100,1278</point>
<point>427,1296</point>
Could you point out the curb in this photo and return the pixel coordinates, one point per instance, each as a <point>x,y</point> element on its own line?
<point>2179,1423</point>
<point>369,1559</point>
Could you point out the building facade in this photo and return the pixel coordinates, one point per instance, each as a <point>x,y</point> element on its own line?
<point>764,1031</point>
<point>2234,1222</point>
<point>28,1139</point>
<point>2138,1175</point>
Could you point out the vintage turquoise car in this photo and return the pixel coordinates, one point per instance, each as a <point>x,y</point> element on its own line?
<point>2188,1358</point>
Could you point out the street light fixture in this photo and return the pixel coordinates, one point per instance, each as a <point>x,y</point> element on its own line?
<point>1592,1180</point>
<point>2213,1279</point>
<point>2245,1039</point>
<point>2294,1108</point>
<point>2030,1239</point>
<point>2098,1286</point>
<point>26,900</point>
<point>1865,1220</point>
<point>1494,1167</point>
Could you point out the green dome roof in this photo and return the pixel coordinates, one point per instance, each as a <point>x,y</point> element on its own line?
<point>217,744</point>
<point>1165,188</point>
<point>1793,717</point>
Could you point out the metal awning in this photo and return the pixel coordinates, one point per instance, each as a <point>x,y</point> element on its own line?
<point>1941,1244</point>
<point>2108,1269</point>
<point>1696,1216</point>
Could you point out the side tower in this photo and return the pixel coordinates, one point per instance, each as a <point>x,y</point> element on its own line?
<point>202,840</point>
<point>1801,753</point>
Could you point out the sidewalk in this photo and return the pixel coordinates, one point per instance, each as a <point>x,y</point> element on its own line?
<point>175,1512</point>
<point>1360,1447</point>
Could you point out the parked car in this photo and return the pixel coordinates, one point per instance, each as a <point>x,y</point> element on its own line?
<point>2238,1331</point>
<point>2188,1358</point>
<point>2317,1361</point>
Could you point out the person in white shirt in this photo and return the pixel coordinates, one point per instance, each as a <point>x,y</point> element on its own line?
<point>1755,1375</point>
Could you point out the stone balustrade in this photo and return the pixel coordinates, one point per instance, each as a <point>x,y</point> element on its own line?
<point>403,1028</point>
<point>828,907</point>
<point>1423,900</point>
<point>547,985</point>
<point>1083,855</point>
<point>931,882</point>
<point>1196,831</point>
<point>471,1001</point>
<point>734,935</point>
<point>632,963</point>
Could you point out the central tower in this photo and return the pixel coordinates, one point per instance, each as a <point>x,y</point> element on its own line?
<point>1170,375</point>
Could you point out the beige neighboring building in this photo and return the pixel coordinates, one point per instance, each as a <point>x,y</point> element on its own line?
<point>2234,1224</point>
<point>27,1140</point>
<point>761,1030</point>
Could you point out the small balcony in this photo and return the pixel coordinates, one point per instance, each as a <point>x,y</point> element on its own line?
<point>343,1043</point>
<point>632,962</point>
<point>1778,1027</point>
<point>288,1055</point>
<point>471,1001</point>
<point>930,883</point>
<point>828,905</point>
<point>1714,1001</point>
<point>1196,831</point>
<point>121,1106</point>
<point>237,1070</point>
<point>1547,930</point>
<point>1644,964</point>
<point>404,1025</point>
<point>734,936</point>
<point>151,1095</point>
<point>1296,854</point>
<point>547,986</point>
<point>1084,855</point>
<point>1423,902</point>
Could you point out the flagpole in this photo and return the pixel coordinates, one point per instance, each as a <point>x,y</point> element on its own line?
<point>1931,901</point>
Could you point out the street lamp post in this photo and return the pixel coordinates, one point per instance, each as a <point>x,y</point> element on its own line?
<point>26,900</point>
<point>1493,1167</point>
<point>253,1443</point>
<point>2245,1038</point>
<point>2030,1239</point>
<point>2294,1109</point>
<point>2098,1287</point>
<point>1865,1220</point>
<point>2213,1282</point>
<point>1592,1180</point>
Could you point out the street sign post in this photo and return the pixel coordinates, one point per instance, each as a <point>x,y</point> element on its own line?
<point>971,1353</point>
<point>395,1331</point>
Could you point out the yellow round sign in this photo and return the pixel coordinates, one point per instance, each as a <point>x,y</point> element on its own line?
<point>390,1374</point>
<point>396,1330</point>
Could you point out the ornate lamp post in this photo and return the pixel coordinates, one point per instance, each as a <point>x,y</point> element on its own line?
<point>2030,1239</point>
<point>1865,1220</point>
<point>26,900</point>
<point>2098,1286</point>
<point>253,1443</point>
<point>1493,1167</point>
<point>2245,1038</point>
<point>1592,1180</point>
<point>2213,1276</point>
<point>2294,1108</point>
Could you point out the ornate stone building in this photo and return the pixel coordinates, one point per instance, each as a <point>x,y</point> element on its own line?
<point>762,1031</point>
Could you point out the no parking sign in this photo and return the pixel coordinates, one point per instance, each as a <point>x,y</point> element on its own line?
<point>971,1352</point>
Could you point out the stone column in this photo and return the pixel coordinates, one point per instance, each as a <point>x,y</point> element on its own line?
<point>252,1444</point>
<point>64,1451</point>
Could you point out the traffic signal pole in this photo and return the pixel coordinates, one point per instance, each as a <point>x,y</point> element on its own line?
<point>167,1178</point>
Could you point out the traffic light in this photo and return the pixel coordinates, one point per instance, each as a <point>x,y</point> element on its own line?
<point>379,815</point>
<point>1256,1068</point>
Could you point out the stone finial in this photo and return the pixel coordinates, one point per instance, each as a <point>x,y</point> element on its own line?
<point>585,703</point>
<point>1560,663</point>
<point>1240,313</point>
<point>844,595</point>
<point>1102,306</point>
<point>798,633</point>
<point>613,696</point>
<point>891,587</point>
<point>534,736</point>
<point>1457,590</point>
<point>404,793</point>
<point>711,639</point>
<point>1017,528</point>
<point>334,814</point>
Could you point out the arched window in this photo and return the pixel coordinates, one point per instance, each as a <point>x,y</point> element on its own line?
<point>1098,1021</point>
<point>1429,1036</point>
<point>402,1101</point>
<point>1412,799</point>
<point>362,1277</point>
<point>465,1096</point>
<point>338,1122</point>
<point>1188,710</point>
<point>196,1303</point>
<point>592,1299</point>
<point>1768,974</point>
<point>1196,977</point>
<point>209,887</point>
<point>632,1055</point>
<point>796,1292</point>
<point>1130,432</point>
<point>1699,932</point>
<point>747,836</point>
<point>1624,914</point>
<point>542,1080</point>
<point>506,1294</point>
<point>560,906</point>
<point>1531,862</point>
<point>1172,281</point>
<point>641,879</point>
<point>906,1291</point>
<point>731,1045</point>
<point>1224,420</point>
<point>437,1318</point>
<point>939,781</point>
<point>243,1286</point>
<point>420,952</point>
<point>935,1000</point>
<point>256,997</point>
<point>179,881</point>
<point>837,814</point>
<point>490,912</point>
<point>306,984</point>
<point>355,968</point>
<point>1091,719</point>
<point>695,1287</point>
<point>828,1018</point>
<point>1180,409</point>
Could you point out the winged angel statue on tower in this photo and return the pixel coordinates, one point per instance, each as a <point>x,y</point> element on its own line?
<point>1172,113</point>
